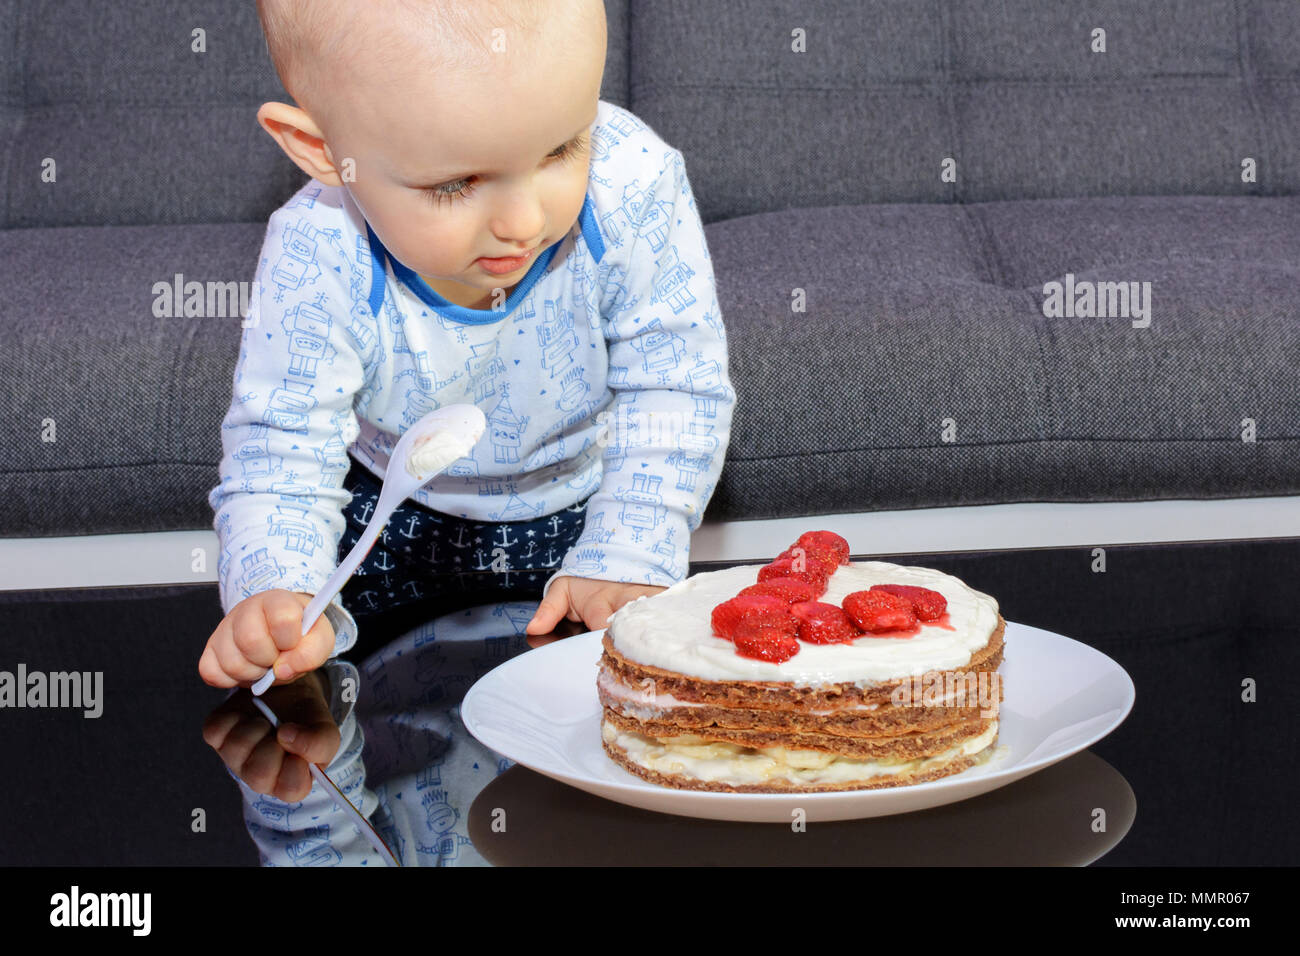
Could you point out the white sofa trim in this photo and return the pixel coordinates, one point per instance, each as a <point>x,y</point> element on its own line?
<point>189,557</point>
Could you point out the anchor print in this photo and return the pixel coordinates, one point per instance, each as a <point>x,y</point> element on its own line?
<point>368,599</point>
<point>367,510</point>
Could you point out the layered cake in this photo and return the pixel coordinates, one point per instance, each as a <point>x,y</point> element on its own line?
<point>810,673</point>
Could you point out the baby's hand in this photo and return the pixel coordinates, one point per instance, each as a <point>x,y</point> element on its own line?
<point>262,630</point>
<point>585,600</point>
<point>275,761</point>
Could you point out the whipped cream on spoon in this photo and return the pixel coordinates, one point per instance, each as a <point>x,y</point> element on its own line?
<point>425,449</point>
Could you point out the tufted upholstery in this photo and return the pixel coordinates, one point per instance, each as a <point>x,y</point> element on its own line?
<point>1009,89</point>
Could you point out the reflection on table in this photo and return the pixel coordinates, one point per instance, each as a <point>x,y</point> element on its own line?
<point>1045,819</point>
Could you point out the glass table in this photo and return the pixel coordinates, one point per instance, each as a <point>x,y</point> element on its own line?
<point>1194,625</point>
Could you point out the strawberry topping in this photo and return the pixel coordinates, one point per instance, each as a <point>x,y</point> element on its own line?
<point>766,621</point>
<point>787,589</point>
<point>825,541</point>
<point>750,611</point>
<point>926,604</point>
<point>786,568</point>
<point>877,611</point>
<point>821,623</point>
<point>820,559</point>
<point>766,644</point>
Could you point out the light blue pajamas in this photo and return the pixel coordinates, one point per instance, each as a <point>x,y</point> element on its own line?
<point>604,373</point>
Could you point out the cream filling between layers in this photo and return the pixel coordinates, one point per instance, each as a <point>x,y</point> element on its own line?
<point>737,765</point>
<point>673,630</point>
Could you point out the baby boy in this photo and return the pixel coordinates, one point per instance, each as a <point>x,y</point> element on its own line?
<point>479,227</point>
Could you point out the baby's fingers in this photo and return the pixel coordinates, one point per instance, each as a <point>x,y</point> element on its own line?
<point>309,652</point>
<point>316,742</point>
<point>554,606</point>
<point>210,668</point>
<point>235,736</point>
<point>596,613</point>
<point>243,648</point>
<point>270,770</point>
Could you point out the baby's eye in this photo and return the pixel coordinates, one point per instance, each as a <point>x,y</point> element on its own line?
<point>570,149</point>
<point>457,190</point>
<point>460,189</point>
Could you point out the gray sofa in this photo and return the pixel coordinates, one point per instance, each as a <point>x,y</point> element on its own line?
<point>887,186</point>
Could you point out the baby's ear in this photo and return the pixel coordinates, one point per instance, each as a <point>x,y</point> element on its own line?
<point>297,134</point>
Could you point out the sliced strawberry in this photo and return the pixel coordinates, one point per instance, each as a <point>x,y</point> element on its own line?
<point>754,610</point>
<point>817,558</point>
<point>789,590</point>
<point>821,623</point>
<point>928,605</point>
<point>825,541</point>
<point>785,568</point>
<point>766,644</point>
<point>827,561</point>
<point>877,611</point>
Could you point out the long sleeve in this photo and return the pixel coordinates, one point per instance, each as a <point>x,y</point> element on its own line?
<point>278,509</point>
<point>666,432</point>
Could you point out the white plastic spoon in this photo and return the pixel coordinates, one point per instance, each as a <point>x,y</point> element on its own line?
<point>425,450</point>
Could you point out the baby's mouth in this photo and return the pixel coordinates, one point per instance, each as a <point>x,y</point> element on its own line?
<point>504,265</point>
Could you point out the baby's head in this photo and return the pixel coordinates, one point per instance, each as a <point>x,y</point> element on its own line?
<point>459,128</point>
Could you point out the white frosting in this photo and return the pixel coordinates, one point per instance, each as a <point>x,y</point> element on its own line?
<point>736,765</point>
<point>673,630</point>
<point>435,453</point>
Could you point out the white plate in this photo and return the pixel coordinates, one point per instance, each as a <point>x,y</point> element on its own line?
<point>541,709</point>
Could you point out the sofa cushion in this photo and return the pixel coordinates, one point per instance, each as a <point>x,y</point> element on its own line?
<point>136,400</point>
<point>917,314</point>
<point>914,314</point>
<point>1011,91</point>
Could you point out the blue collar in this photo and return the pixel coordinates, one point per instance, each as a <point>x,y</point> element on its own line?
<point>379,255</point>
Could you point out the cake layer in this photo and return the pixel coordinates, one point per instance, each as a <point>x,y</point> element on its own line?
<point>652,682</point>
<point>731,768</point>
<point>672,631</point>
<point>904,746</point>
<point>965,702</point>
